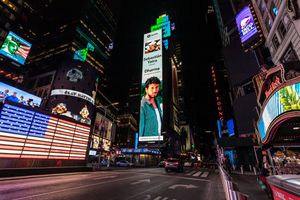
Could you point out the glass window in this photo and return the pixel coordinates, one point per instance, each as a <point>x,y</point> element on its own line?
<point>289,54</point>
<point>281,29</point>
<point>268,23</point>
<point>275,42</point>
<point>46,80</point>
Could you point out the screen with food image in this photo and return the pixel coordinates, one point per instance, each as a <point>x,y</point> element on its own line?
<point>153,45</point>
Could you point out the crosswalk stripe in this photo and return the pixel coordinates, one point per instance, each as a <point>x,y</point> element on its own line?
<point>190,173</point>
<point>197,174</point>
<point>205,174</point>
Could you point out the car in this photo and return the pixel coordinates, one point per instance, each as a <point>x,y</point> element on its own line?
<point>124,163</point>
<point>174,164</point>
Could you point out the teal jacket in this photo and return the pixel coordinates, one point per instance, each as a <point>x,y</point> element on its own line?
<point>148,120</point>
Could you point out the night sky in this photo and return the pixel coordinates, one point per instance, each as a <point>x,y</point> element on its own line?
<point>200,47</point>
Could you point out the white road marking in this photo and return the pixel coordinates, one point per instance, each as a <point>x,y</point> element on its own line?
<point>197,174</point>
<point>205,174</point>
<point>184,186</point>
<point>190,173</point>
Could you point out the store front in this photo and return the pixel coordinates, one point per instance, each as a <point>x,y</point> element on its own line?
<point>141,157</point>
<point>278,126</point>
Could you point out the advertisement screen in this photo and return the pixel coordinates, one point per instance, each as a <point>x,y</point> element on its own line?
<point>151,108</point>
<point>74,91</point>
<point>28,134</point>
<point>285,99</point>
<point>103,127</point>
<point>9,93</point>
<point>245,23</point>
<point>15,48</point>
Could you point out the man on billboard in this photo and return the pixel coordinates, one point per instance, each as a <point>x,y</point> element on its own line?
<point>151,111</point>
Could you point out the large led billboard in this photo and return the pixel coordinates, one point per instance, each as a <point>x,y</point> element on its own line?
<point>151,108</point>
<point>25,133</point>
<point>15,48</point>
<point>285,99</point>
<point>245,23</point>
<point>73,92</point>
<point>9,93</point>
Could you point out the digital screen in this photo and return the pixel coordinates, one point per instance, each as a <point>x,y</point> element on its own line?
<point>15,48</point>
<point>29,134</point>
<point>230,127</point>
<point>103,127</point>
<point>166,28</point>
<point>245,23</point>
<point>283,100</point>
<point>73,94</point>
<point>151,107</point>
<point>9,93</point>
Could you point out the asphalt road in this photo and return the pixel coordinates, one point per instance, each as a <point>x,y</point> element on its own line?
<point>123,184</point>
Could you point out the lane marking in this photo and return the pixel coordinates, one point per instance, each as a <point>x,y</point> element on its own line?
<point>190,173</point>
<point>205,174</point>
<point>197,174</point>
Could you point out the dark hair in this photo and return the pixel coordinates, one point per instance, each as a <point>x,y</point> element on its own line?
<point>152,80</point>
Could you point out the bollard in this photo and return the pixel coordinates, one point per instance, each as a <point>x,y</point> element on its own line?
<point>254,169</point>
<point>242,170</point>
<point>250,168</point>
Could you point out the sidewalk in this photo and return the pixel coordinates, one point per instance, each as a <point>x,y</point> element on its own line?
<point>248,184</point>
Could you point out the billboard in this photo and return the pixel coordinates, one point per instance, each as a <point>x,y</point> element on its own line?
<point>166,28</point>
<point>151,108</point>
<point>9,93</point>
<point>15,48</point>
<point>285,99</point>
<point>73,92</point>
<point>25,133</point>
<point>245,23</point>
<point>103,127</point>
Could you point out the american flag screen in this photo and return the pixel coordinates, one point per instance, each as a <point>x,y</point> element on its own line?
<point>28,134</point>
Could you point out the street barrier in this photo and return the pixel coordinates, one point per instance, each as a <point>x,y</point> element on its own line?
<point>230,188</point>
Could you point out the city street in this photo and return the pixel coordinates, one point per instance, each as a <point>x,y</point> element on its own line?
<point>120,184</point>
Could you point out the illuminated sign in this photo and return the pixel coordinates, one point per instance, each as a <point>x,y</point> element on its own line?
<point>106,144</point>
<point>285,99</point>
<point>28,134</point>
<point>95,142</point>
<point>140,151</point>
<point>82,53</point>
<point>230,127</point>
<point>151,109</point>
<point>245,24</point>
<point>103,127</point>
<point>162,22</point>
<point>162,19</point>
<point>74,75</point>
<point>9,93</point>
<point>15,48</point>
<point>217,93</point>
<point>166,28</point>
<point>73,93</point>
